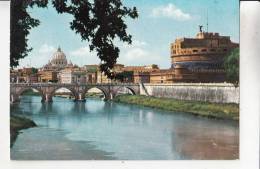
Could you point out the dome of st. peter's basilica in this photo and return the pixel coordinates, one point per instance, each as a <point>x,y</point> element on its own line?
<point>59,59</point>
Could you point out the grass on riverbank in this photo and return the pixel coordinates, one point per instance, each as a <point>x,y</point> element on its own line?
<point>31,93</point>
<point>18,123</point>
<point>212,110</point>
<point>94,95</point>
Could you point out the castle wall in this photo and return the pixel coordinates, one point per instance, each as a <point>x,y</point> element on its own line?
<point>207,92</point>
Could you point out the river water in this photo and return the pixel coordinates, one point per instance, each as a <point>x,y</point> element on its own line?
<point>98,130</point>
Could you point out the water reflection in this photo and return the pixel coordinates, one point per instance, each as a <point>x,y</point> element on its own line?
<point>130,131</point>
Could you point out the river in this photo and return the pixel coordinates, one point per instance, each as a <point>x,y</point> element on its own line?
<point>99,130</point>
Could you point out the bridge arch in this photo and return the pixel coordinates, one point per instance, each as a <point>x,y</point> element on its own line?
<point>132,90</point>
<point>52,93</point>
<point>22,90</point>
<point>103,90</point>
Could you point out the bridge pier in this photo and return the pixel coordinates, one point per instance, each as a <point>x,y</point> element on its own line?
<point>48,98</point>
<point>14,98</point>
<point>111,96</point>
<point>81,98</point>
<point>43,99</point>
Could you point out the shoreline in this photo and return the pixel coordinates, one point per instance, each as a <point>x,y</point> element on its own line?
<point>204,109</point>
<point>18,123</point>
<point>55,146</point>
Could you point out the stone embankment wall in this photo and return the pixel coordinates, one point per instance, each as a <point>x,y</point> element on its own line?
<point>208,92</point>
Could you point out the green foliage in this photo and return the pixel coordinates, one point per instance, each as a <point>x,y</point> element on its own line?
<point>97,21</point>
<point>231,65</point>
<point>92,70</point>
<point>30,92</point>
<point>53,81</point>
<point>34,70</point>
<point>20,25</point>
<point>124,76</point>
<point>214,110</point>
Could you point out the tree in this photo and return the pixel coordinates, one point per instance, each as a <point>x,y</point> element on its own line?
<point>97,21</point>
<point>21,23</point>
<point>231,65</point>
<point>125,76</point>
<point>34,70</point>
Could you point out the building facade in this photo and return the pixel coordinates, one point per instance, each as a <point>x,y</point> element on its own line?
<point>48,76</point>
<point>202,56</point>
<point>77,76</point>
<point>141,74</point>
<point>24,75</point>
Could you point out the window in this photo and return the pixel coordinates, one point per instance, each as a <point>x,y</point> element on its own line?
<point>224,50</point>
<point>204,50</point>
<point>195,51</point>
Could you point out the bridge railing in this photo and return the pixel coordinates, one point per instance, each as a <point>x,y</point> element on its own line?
<point>73,84</point>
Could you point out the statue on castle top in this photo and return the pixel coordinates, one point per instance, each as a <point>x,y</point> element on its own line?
<point>200,27</point>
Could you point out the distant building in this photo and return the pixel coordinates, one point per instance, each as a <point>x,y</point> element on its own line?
<point>91,68</point>
<point>91,73</point>
<point>199,59</point>
<point>24,75</point>
<point>73,76</point>
<point>48,76</point>
<point>33,78</point>
<point>141,77</point>
<point>148,68</point>
<point>50,71</point>
<point>161,76</point>
<point>118,67</point>
<point>91,77</point>
<point>141,74</point>
<point>202,56</point>
<point>102,78</point>
<point>58,62</point>
<point>14,76</point>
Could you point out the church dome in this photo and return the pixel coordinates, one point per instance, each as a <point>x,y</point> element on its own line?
<point>59,59</point>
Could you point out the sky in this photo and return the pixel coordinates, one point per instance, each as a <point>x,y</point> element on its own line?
<point>159,23</point>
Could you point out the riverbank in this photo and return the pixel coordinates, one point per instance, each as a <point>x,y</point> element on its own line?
<point>18,123</point>
<point>52,144</point>
<point>206,109</point>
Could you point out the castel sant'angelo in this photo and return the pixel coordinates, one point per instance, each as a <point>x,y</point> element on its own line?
<point>201,59</point>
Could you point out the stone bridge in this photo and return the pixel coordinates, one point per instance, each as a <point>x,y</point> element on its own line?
<point>47,90</point>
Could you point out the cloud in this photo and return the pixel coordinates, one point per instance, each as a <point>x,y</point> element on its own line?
<point>83,56</point>
<point>82,51</point>
<point>172,12</point>
<point>39,56</point>
<point>139,53</point>
<point>80,56</point>
<point>135,54</point>
<point>45,48</point>
<point>135,43</point>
